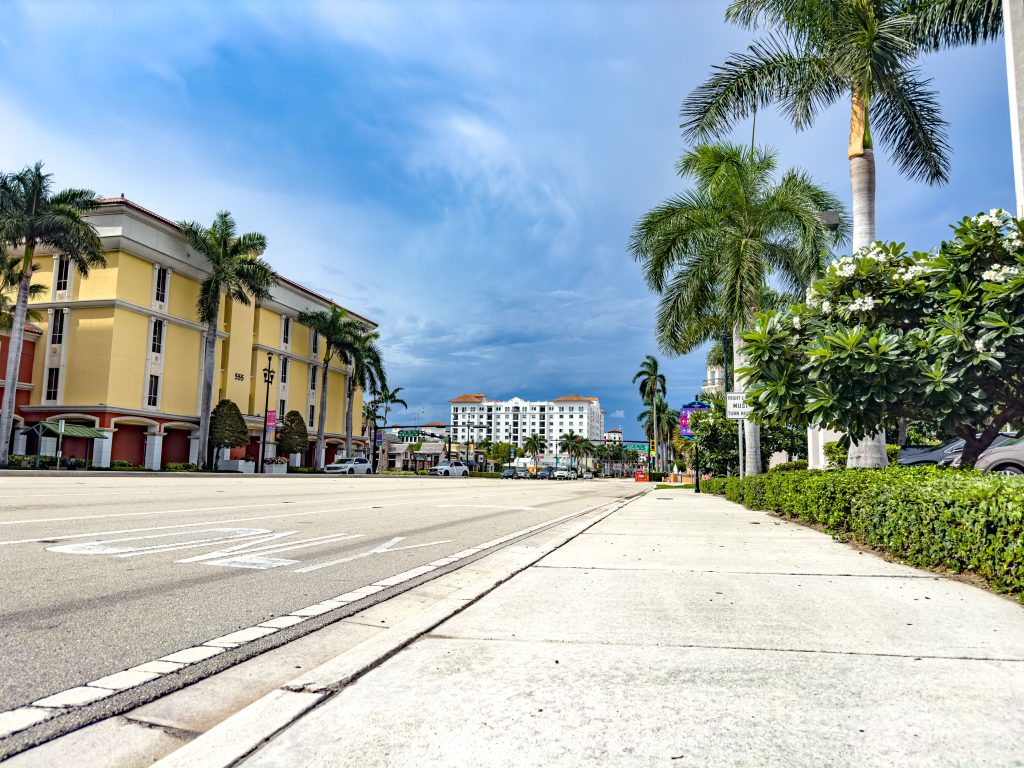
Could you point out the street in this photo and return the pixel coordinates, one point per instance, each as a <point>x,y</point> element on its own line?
<point>104,574</point>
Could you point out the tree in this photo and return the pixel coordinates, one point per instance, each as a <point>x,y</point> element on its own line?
<point>293,437</point>
<point>10,276</point>
<point>935,337</point>
<point>227,427</point>
<point>651,386</point>
<point>385,398</point>
<point>236,270</point>
<point>32,215</point>
<point>337,331</point>
<point>360,352</point>
<point>501,453</point>
<point>660,417</point>
<point>570,445</point>
<point>710,252</point>
<point>822,51</point>
<point>534,446</point>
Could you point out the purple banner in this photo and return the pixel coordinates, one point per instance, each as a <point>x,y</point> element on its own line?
<point>684,416</point>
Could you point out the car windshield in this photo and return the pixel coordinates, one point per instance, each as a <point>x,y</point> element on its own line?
<point>1012,441</point>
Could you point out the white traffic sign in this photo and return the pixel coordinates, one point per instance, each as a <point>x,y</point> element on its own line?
<point>735,407</point>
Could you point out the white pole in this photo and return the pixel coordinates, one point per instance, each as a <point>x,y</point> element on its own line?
<point>742,424</point>
<point>1013,32</point>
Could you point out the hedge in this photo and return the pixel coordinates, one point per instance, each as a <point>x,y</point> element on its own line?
<point>837,453</point>
<point>789,466</point>
<point>957,520</point>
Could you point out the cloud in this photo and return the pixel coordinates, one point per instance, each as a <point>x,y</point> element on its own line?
<point>619,414</point>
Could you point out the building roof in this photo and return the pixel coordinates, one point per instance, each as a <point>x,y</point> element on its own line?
<point>435,424</point>
<point>615,430</point>
<point>574,399</point>
<point>477,398</point>
<point>110,201</point>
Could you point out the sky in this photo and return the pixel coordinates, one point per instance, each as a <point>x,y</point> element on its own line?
<point>465,174</point>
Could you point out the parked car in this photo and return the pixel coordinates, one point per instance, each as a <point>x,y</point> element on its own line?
<point>919,456</point>
<point>509,474</point>
<point>354,466</point>
<point>954,455</point>
<point>523,474</point>
<point>1006,458</point>
<point>588,475</point>
<point>544,473</point>
<point>450,468</point>
<point>560,474</point>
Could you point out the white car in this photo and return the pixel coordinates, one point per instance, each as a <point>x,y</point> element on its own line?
<point>354,466</point>
<point>450,468</point>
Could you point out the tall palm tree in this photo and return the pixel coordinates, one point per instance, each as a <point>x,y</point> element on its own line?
<point>389,397</point>
<point>866,51</point>
<point>236,270</point>
<point>585,448</point>
<point>361,353</point>
<point>659,422</point>
<point>651,384</point>
<point>569,445</point>
<point>534,446</point>
<point>10,276</point>
<point>32,215</point>
<point>710,251</point>
<point>335,328</point>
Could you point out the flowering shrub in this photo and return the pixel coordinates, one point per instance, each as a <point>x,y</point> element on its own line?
<point>936,336</point>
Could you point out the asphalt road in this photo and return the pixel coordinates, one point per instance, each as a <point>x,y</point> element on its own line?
<point>103,573</point>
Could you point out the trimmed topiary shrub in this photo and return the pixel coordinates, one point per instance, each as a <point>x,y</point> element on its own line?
<point>180,466</point>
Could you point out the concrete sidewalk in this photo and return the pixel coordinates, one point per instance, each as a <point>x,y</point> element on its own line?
<point>685,630</point>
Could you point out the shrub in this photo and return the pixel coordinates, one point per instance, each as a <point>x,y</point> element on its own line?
<point>734,489</point>
<point>485,474</point>
<point>713,485</point>
<point>789,466</point>
<point>836,454</point>
<point>180,466</point>
<point>302,470</point>
<point>119,464</point>
<point>227,427</point>
<point>292,436</point>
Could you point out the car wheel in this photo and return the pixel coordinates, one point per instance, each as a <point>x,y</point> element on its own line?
<point>1008,469</point>
<point>351,471</point>
<point>446,473</point>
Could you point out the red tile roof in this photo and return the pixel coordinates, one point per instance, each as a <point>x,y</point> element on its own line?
<point>477,398</point>
<point>574,399</point>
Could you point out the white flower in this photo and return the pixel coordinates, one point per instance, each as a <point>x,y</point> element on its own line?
<point>812,298</point>
<point>999,273</point>
<point>1013,241</point>
<point>846,270</point>
<point>994,217</point>
<point>826,307</point>
<point>796,322</point>
<point>863,304</point>
<point>979,345</point>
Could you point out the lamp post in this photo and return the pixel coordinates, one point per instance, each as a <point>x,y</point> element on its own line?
<point>268,379</point>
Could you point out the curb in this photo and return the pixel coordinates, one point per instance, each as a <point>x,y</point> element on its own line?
<point>246,731</point>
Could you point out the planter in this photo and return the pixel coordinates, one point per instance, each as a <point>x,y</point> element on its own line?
<point>275,469</point>
<point>237,465</point>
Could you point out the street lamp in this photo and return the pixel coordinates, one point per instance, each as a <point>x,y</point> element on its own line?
<point>268,379</point>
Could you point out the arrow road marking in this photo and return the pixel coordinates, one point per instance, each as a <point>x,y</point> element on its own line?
<point>388,546</point>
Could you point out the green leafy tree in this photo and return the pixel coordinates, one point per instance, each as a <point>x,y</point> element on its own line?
<point>337,332</point>
<point>293,436</point>
<point>501,453</point>
<point>33,215</point>
<point>891,334</point>
<point>236,270</point>
<point>534,446</point>
<point>819,52</point>
<point>227,427</point>
<point>10,275</point>
<point>651,383</point>
<point>710,251</point>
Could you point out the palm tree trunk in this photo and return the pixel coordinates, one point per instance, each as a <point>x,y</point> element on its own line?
<point>654,410</point>
<point>350,391</point>
<point>321,422</point>
<point>751,430</point>
<point>206,397</point>
<point>870,452</point>
<point>17,339</point>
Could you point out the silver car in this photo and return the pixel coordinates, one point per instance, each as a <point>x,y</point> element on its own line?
<point>354,466</point>
<point>1007,458</point>
<point>450,468</point>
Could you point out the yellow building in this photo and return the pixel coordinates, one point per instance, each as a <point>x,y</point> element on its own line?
<point>121,350</point>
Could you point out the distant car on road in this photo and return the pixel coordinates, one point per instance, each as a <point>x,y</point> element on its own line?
<point>354,466</point>
<point>1004,459</point>
<point>560,474</point>
<point>523,474</point>
<point>450,468</point>
<point>509,474</point>
<point>588,475</point>
<point>544,473</point>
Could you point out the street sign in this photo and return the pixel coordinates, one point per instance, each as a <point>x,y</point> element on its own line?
<point>635,445</point>
<point>685,412</point>
<point>736,406</point>
<point>271,419</point>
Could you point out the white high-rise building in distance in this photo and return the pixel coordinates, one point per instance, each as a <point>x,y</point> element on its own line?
<point>476,417</point>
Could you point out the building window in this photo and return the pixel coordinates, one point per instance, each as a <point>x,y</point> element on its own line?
<point>63,270</point>
<point>157,342</point>
<point>281,406</point>
<point>286,330</point>
<point>284,370</point>
<point>312,414</point>
<point>57,331</point>
<point>52,383</point>
<point>161,284</point>
<point>154,389</point>
<point>316,342</point>
<point>312,378</point>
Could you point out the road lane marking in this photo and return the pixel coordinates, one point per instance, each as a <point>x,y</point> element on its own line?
<point>274,548</point>
<point>105,548</point>
<point>388,546</point>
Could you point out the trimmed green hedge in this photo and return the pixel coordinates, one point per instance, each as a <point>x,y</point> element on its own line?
<point>789,466</point>
<point>957,520</point>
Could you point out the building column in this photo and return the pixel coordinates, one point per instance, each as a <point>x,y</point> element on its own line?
<point>20,442</point>
<point>270,448</point>
<point>101,449</point>
<point>295,460</point>
<point>1013,34</point>
<point>154,450</point>
<point>193,449</point>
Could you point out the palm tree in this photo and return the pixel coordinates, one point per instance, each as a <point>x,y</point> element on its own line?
<point>652,383</point>
<point>585,448</point>
<point>336,329</point>
<point>389,397</point>
<point>31,215</point>
<point>360,352</point>
<point>822,51</point>
<point>237,270</point>
<point>710,251</point>
<point>659,422</point>
<point>10,276</point>
<point>570,444</point>
<point>534,446</point>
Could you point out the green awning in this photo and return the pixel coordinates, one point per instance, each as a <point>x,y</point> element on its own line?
<point>53,429</point>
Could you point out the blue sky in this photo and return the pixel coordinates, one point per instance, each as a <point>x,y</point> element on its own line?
<point>464,173</point>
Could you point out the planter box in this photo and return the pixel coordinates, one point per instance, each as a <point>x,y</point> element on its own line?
<point>237,465</point>
<point>275,469</point>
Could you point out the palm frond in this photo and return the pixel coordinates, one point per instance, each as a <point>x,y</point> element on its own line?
<point>908,121</point>
<point>953,23</point>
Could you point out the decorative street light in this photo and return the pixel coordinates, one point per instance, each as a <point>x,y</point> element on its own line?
<point>268,379</point>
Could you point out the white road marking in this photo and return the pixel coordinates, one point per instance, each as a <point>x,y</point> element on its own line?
<point>127,679</point>
<point>192,655</point>
<point>235,639</point>
<point>274,548</point>
<point>106,548</point>
<point>254,562</point>
<point>388,546</point>
<point>74,697</point>
<point>19,719</point>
